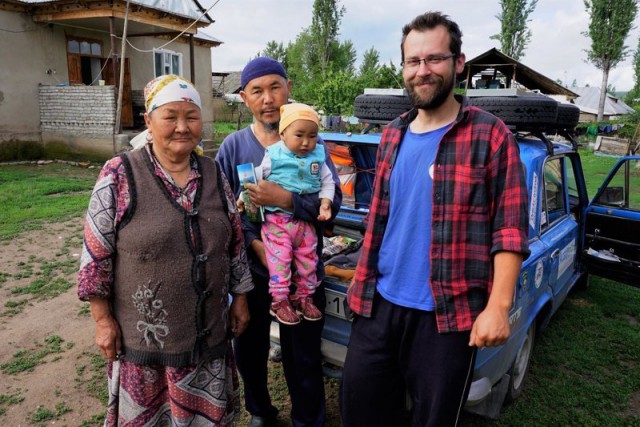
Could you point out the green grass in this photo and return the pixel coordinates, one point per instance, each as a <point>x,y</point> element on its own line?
<point>42,414</point>
<point>595,168</point>
<point>31,195</point>
<point>585,369</point>
<point>50,277</point>
<point>14,398</point>
<point>225,128</point>
<point>90,376</point>
<point>27,360</point>
<point>96,420</point>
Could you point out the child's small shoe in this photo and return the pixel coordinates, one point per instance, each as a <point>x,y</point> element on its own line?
<point>283,311</point>
<point>307,309</point>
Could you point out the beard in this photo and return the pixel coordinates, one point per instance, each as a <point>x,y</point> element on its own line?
<point>441,90</point>
<point>271,127</point>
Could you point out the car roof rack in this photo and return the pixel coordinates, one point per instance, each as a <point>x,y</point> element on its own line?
<point>539,132</point>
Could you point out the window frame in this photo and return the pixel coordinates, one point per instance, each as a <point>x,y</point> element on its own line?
<point>80,40</point>
<point>170,54</point>
<point>544,206</point>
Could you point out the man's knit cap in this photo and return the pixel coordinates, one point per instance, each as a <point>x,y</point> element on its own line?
<point>261,66</point>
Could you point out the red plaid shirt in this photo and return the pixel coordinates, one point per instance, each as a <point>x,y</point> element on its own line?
<point>479,208</point>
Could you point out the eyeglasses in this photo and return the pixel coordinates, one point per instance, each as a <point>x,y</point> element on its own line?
<point>430,60</point>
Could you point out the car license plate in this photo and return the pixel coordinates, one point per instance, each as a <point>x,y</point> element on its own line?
<point>336,304</point>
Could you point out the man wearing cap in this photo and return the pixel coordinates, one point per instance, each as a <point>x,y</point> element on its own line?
<point>265,88</point>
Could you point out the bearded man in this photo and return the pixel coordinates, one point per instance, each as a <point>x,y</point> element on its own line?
<point>445,240</point>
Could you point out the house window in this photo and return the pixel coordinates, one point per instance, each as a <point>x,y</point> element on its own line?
<point>84,58</point>
<point>167,62</point>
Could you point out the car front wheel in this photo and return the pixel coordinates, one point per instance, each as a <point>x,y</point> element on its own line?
<point>520,366</point>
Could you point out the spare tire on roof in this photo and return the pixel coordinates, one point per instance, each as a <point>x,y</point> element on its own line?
<point>380,107</point>
<point>568,116</point>
<point>523,110</point>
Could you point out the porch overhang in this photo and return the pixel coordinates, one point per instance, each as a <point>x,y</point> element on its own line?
<point>91,14</point>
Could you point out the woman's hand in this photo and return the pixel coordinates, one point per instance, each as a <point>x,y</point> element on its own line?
<point>239,314</point>
<point>108,335</point>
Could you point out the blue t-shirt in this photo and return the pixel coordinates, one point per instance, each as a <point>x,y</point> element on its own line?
<point>403,263</point>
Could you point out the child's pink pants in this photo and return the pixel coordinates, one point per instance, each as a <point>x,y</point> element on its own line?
<point>290,240</point>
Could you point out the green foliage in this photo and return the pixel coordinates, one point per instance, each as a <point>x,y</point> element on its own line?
<point>337,92</point>
<point>514,34</point>
<point>633,96</point>
<point>300,68</point>
<point>630,122</point>
<point>325,24</point>
<point>317,63</point>
<point>609,25</point>
<point>275,50</point>
<point>316,51</point>
<point>370,62</point>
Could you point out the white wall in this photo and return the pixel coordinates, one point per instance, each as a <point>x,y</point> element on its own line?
<point>28,50</point>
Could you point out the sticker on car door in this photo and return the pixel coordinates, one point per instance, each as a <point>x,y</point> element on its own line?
<point>567,257</point>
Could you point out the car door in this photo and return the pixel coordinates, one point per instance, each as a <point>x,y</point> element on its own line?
<point>612,225</point>
<point>558,226</point>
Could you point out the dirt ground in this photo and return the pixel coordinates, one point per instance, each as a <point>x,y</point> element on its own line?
<point>61,390</point>
<point>55,383</point>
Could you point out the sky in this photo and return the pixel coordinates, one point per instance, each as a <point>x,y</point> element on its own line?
<point>557,48</point>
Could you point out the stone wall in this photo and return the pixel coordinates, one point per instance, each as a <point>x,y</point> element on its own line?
<point>81,111</point>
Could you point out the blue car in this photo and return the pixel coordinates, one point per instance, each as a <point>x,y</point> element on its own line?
<point>569,238</point>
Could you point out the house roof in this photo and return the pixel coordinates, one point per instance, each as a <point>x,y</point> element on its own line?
<point>224,83</point>
<point>185,8</point>
<point>589,98</point>
<point>513,70</point>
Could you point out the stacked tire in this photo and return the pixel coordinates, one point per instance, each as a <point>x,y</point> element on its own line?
<point>524,111</point>
<point>380,107</point>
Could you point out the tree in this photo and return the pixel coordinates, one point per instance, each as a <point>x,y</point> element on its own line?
<point>370,62</point>
<point>633,96</point>
<point>276,51</point>
<point>337,92</point>
<point>299,70</point>
<point>343,57</point>
<point>325,23</point>
<point>317,52</point>
<point>609,24</point>
<point>514,34</point>
<point>390,77</point>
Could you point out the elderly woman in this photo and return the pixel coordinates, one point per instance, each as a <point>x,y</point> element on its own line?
<point>163,248</point>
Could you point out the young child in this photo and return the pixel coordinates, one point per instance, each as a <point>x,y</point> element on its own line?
<point>296,163</point>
